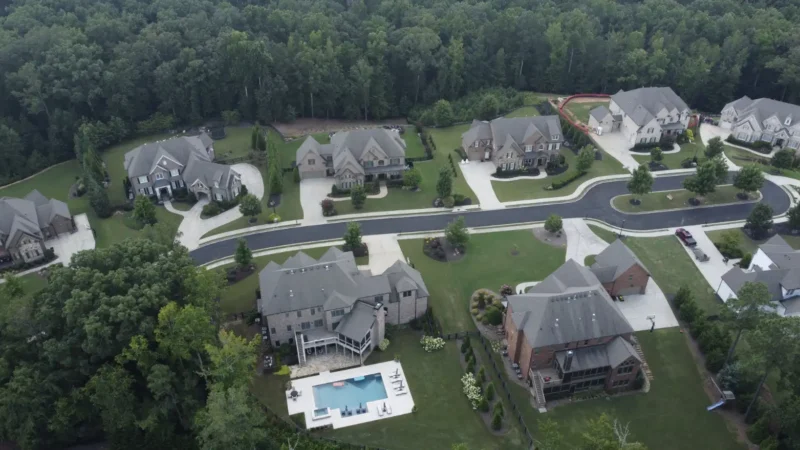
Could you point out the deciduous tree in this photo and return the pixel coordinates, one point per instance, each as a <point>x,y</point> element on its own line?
<point>412,178</point>
<point>760,220</point>
<point>358,196</point>
<point>704,182</point>
<point>352,236</point>
<point>243,255</point>
<point>457,233</point>
<point>748,179</point>
<point>714,148</point>
<point>444,185</point>
<point>642,181</point>
<point>743,312</point>
<point>553,223</point>
<point>585,159</point>
<point>144,210</point>
<point>249,205</point>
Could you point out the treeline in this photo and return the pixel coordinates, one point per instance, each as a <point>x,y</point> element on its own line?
<point>117,64</point>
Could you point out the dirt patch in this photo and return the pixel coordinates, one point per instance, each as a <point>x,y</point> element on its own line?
<point>590,100</point>
<point>441,250</point>
<point>552,239</point>
<point>301,127</point>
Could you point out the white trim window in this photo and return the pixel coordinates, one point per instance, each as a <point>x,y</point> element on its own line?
<point>218,197</point>
<point>528,148</point>
<point>174,172</point>
<point>159,175</point>
<point>142,179</point>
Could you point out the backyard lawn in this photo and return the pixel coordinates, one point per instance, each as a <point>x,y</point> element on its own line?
<point>287,150</point>
<point>658,201</point>
<point>669,265</point>
<point>525,111</point>
<point>581,110</point>
<point>414,147</point>
<point>673,160</point>
<point>747,244</point>
<point>241,296</point>
<point>507,191</point>
<point>671,416</point>
<point>488,263</point>
<point>235,144</point>
<point>31,284</point>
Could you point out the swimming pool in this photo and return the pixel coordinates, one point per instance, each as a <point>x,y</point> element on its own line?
<point>350,393</point>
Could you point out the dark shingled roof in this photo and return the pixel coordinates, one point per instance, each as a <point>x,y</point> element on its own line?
<point>614,261</point>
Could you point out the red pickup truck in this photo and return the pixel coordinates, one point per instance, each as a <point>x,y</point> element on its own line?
<point>686,237</point>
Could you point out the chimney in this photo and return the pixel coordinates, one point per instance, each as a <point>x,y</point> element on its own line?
<point>568,361</point>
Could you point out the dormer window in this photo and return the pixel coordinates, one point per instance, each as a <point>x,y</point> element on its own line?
<point>788,121</point>
<point>555,137</point>
<point>528,148</point>
<point>142,179</point>
<point>174,172</point>
<point>159,175</point>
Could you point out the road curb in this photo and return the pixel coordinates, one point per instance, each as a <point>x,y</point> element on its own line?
<point>279,248</point>
<point>245,232</point>
<point>401,213</point>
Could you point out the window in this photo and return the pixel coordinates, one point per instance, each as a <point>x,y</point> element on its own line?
<point>368,163</point>
<point>218,197</point>
<point>649,130</point>
<point>299,313</point>
<point>305,325</point>
<point>313,311</point>
<point>318,323</point>
<point>395,161</point>
<point>528,148</point>
<point>380,162</point>
<point>272,330</point>
<point>555,137</point>
<point>174,172</point>
<point>586,342</point>
<point>337,312</point>
<point>142,180</point>
<point>630,277</point>
<point>627,369</point>
<point>557,146</point>
<point>378,298</point>
<point>277,343</point>
<point>159,175</point>
<point>406,293</point>
<point>566,345</point>
<point>541,146</point>
<point>288,328</point>
<point>311,161</point>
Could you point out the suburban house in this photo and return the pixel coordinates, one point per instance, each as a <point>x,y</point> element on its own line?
<point>329,304</point>
<point>26,223</point>
<point>648,114</point>
<point>567,336</point>
<point>514,144</point>
<point>354,157</point>
<point>777,265</point>
<point>158,168</point>
<point>620,271</point>
<point>763,119</point>
<point>602,121</point>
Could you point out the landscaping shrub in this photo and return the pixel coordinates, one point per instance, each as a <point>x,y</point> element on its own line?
<point>498,408</point>
<point>759,146</point>
<point>524,172</point>
<point>490,392</point>
<point>461,200</point>
<point>471,365</point>
<point>646,146</point>
<point>273,218</point>
<point>448,202</point>
<point>483,404</point>
<point>506,290</point>
<point>714,360</point>
<point>688,163</point>
<point>211,209</point>
<point>465,345</point>
<point>384,345</point>
<point>338,192</point>
<point>638,383</point>
<point>497,420</point>
<point>562,183</point>
<point>431,344</point>
<point>493,316</point>
<point>474,311</point>
<point>481,376</point>
<point>328,207</point>
<point>471,389</point>
<point>49,255</point>
<point>746,259</point>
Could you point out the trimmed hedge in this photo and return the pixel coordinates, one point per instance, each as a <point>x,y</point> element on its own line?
<point>560,184</point>
<point>759,146</point>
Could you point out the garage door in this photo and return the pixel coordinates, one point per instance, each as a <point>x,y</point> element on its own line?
<point>313,174</point>
<point>636,290</point>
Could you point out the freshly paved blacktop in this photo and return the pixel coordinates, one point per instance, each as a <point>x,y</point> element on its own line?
<point>594,204</point>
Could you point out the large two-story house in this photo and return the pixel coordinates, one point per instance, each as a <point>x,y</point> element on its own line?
<point>515,143</point>
<point>567,336</point>
<point>354,157</point>
<point>26,223</point>
<point>329,305</point>
<point>777,265</point>
<point>763,119</point>
<point>648,114</point>
<point>157,168</point>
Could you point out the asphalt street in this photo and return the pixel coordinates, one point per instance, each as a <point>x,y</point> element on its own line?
<point>594,204</point>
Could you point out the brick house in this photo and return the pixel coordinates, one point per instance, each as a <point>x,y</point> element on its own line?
<point>567,336</point>
<point>329,305</point>
<point>620,271</point>
<point>514,143</point>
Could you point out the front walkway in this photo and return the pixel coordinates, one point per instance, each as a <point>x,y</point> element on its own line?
<point>615,145</point>
<point>193,227</point>
<point>479,178</point>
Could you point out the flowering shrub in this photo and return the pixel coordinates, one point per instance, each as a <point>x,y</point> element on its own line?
<point>471,389</point>
<point>506,290</point>
<point>497,346</point>
<point>431,344</point>
<point>384,345</point>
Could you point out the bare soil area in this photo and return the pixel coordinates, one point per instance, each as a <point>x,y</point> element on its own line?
<point>301,127</point>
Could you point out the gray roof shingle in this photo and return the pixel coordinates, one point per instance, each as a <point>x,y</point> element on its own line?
<point>642,105</point>
<point>356,324</point>
<point>599,112</point>
<point>29,214</point>
<point>764,108</point>
<point>614,261</point>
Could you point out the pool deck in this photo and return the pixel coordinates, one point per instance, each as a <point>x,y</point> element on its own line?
<point>399,403</point>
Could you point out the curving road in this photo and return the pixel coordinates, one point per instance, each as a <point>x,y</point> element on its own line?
<point>595,204</point>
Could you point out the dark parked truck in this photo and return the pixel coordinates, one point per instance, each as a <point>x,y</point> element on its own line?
<point>686,237</point>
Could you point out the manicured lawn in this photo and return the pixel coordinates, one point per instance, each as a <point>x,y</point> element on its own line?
<point>444,415</point>
<point>525,111</point>
<point>31,284</point>
<point>751,245</point>
<point>658,201</point>
<point>669,265</point>
<point>414,148</point>
<point>235,144</point>
<point>581,110</point>
<point>743,157</point>
<point>671,416</point>
<point>507,191</point>
<point>589,260</point>
<point>287,151</point>
<point>673,160</point>
<point>241,296</point>
<point>181,206</point>
<point>488,263</point>
<point>114,229</point>
<point>289,209</point>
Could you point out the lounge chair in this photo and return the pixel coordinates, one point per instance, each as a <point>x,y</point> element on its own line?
<point>397,381</point>
<point>396,374</point>
<point>401,393</point>
<point>389,410</point>
<point>380,412</point>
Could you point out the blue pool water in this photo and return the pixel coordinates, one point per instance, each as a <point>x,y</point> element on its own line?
<point>355,390</point>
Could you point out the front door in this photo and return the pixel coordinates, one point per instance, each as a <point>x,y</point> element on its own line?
<point>486,154</point>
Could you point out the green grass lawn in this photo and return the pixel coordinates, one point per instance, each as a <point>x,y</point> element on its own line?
<point>114,229</point>
<point>443,416</point>
<point>589,260</point>
<point>658,201</point>
<point>743,157</point>
<point>488,263</point>
<point>669,265</point>
<point>241,296</point>
<point>235,144</point>
<point>507,191</point>
<point>525,111</point>
<point>673,160</point>
<point>581,110</point>
<point>181,206</point>
<point>287,151</point>
<point>671,416</point>
<point>414,148</point>
<point>31,284</point>
<point>748,244</point>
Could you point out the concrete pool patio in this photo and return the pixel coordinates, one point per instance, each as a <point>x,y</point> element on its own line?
<point>398,401</point>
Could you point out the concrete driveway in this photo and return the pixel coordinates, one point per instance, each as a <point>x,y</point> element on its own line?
<point>637,308</point>
<point>615,145</point>
<point>708,132</point>
<point>312,192</point>
<point>715,267</point>
<point>581,241</point>
<point>67,245</point>
<point>251,177</point>
<point>479,178</point>
<point>384,250</point>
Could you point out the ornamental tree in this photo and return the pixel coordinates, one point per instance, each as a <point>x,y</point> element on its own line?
<point>704,181</point>
<point>243,255</point>
<point>412,178</point>
<point>760,220</point>
<point>358,196</point>
<point>249,205</point>
<point>749,178</point>
<point>444,185</point>
<point>144,211</point>
<point>585,159</point>
<point>656,154</point>
<point>714,148</point>
<point>352,236</point>
<point>456,233</point>
<point>642,181</point>
<point>553,223</point>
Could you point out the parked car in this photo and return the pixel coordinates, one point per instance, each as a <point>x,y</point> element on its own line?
<point>686,237</point>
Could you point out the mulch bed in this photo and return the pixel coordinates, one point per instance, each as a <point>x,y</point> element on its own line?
<point>558,170</point>
<point>440,250</point>
<point>237,274</point>
<point>551,239</point>
<point>635,201</point>
<point>274,200</point>
<point>485,416</point>
<point>656,166</point>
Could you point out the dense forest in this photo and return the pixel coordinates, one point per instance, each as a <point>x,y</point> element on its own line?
<point>132,66</point>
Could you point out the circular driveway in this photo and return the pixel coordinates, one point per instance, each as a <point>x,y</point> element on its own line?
<point>594,204</point>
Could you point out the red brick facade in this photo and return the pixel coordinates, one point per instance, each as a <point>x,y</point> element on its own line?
<point>631,282</point>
